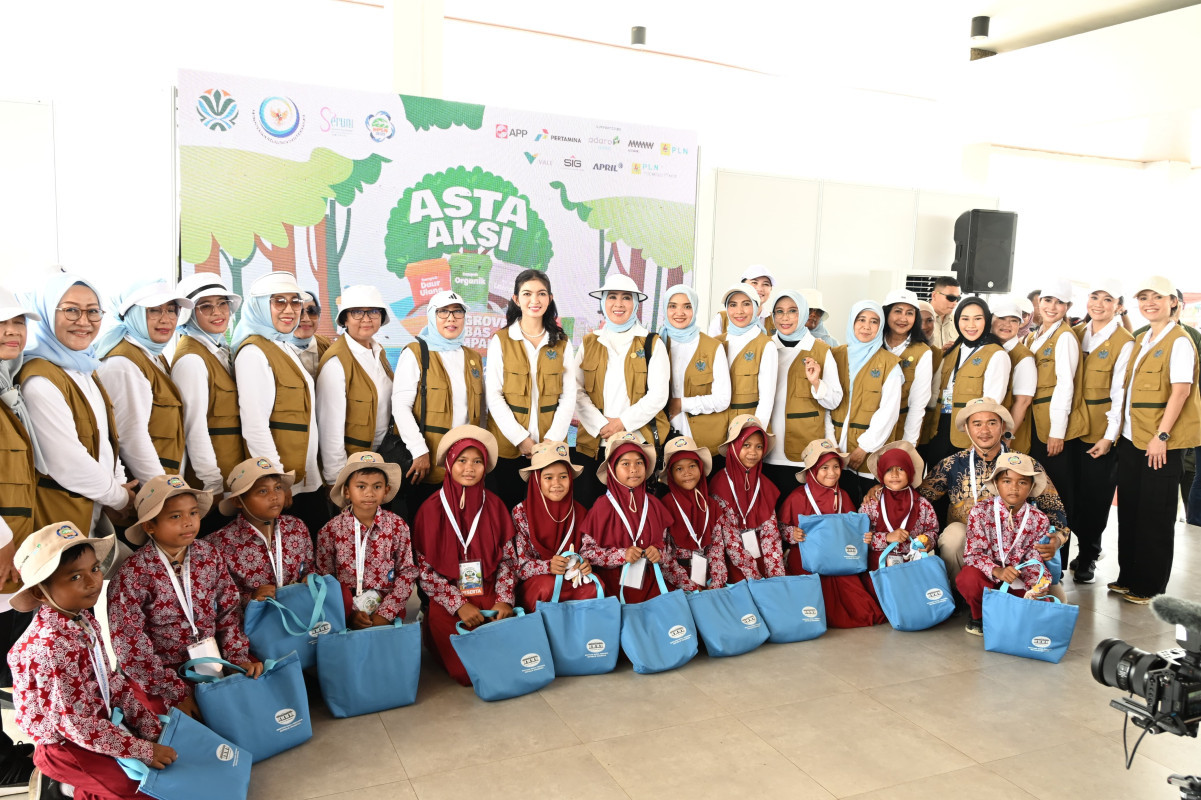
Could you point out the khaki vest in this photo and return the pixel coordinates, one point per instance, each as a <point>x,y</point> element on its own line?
<point>869,383</point>
<point>593,366</point>
<point>744,375</point>
<point>362,399</point>
<point>804,417</point>
<point>1040,406</point>
<point>1150,386</point>
<point>1098,377</point>
<point>439,416</point>
<point>708,430</point>
<point>17,479</point>
<point>930,421</point>
<point>289,420</point>
<point>909,359</point>
<point>224,419</point>
<point>518,384</point>
<point>969,384</point>
<point>166,412</point>
<point>1021,437</point>
<point>52,502</point>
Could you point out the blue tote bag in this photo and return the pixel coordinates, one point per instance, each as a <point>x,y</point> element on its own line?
<point>584,634</point>
<point>295,618</point>
<point>266,716</point>
<point>834,543</point>
<point>658,634</point>
<point>371,670</point>
<point>915,595</point>
<point>791,606</point>
<point>1038,629</point>
<point>208,765</point>
<point>506,658</point>
<point>727,619</point>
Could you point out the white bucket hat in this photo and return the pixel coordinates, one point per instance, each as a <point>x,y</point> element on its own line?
<point>11,306</point>
<point>276,283</point>
<point>816,302</point>
<point>361,296</point>
<point>616,282</point>
<point>204,284</point>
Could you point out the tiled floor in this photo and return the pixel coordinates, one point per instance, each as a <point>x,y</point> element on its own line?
<point>862,713</point>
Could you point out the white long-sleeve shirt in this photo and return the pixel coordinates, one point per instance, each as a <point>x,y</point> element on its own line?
<point>716,325</point>
<point>331,405</point>
<point>1117,381</point>
<point>498,407</point>
<point>996,374</point>
<point>404,395</point>
<point>1025,372</point>
<point>827,393</point>
<point>67,460</point>
<point>919,392</point>
<point>884,419</point>
<point>190,373</point>
<point>768,369</point>
<point>256,398</point>
<point>719,400</point>
<point>616,400</point>
<point>1180,368</point>
<point>133,400</point>
<point>1067,356</point>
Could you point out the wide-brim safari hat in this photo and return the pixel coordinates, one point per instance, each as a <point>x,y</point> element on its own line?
<point>741,423</point>
<point>40,554</point>
<point>468,432</point>
<point>154,494</point>
<point>616,282</point>
<point>685,444</point>
<point>243,476</point>
<point>983,404</point>
<point>1022,464</point>
<point>919,464</point>
<point>813,453</point>
<point>366,460</point>
<point>621,437</point>
<point>546,453</point>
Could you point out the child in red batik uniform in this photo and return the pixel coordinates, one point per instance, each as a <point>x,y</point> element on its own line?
<point>755,551</point>
<point>898,513</point>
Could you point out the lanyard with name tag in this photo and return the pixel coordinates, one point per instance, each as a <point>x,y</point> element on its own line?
<point>471,573</point>
<point>750,536</point>
<point>894,558</point>
<point>369,600</point>
<point>99,666</point>
<point>199,648</point>
<point>636,574</point>
<point>1004,556</point>
<point>277,561</point>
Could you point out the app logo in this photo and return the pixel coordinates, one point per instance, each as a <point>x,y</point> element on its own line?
<point>285,715</point>
<point>601,167</point>
<point>217,109</point>
<point>502,131</point>
<point>810,612</point>
<point>640,144</point>
<point>595,646</point>
<point>677,631</point>
<point>852,551</point>
<point>571,162</point>
<point>279,119</point>
<point>332,123</point>
<point>1041,642</point>
<point>380,126</point>
<point>225,752</point>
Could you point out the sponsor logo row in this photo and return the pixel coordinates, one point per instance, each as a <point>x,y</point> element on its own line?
<point>574,163</point>
<point>503,131</point>
<point>279,119</point>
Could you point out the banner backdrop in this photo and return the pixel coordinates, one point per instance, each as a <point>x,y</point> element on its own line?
<point>416,195</point>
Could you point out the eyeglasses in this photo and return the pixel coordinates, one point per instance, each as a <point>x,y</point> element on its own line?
<point>312,311</point>
<point>370,313</point>
<point>73,314</point>
<point>280,303</point>
<point>446,313</point>
<point>170,310</point>
<point>219,307</point>
<point>954,298</point>
<point>785,312</point>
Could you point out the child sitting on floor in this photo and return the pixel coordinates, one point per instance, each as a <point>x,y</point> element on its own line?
<point>898,513</point>
<point>366,547</point>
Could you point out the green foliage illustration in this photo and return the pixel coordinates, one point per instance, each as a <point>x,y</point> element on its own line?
<point>424,113</point>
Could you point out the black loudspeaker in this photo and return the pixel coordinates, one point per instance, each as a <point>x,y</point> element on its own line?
<point>984,250</point>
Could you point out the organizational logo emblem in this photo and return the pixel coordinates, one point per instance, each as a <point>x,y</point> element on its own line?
<point>225,752</point>
<point>67,532</point>
<point>640,144</point>
<point>750,621</point>
<point>677,631</point>
<point>285,716</point>
<point>279,119</point>
<point>573,163</point>
<point>380,127</point>
<point>332,123</point>
<point>218,110</point>
<point>1041,642</point>
<point>934,594</point>
<point>320,629</point>
<point>595,646</point>
<point>852,551</point>
<point>175,483</point>
<point>502,131</point>
<point>810,612</point>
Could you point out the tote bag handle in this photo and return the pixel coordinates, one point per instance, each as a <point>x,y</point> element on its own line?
<point>317,590</point>
<point>133,767</point>
<point>186,670</point>
<point>489,614</point>
<point>626,568</point>
<point>1042,570</point>
<point>600,590</point>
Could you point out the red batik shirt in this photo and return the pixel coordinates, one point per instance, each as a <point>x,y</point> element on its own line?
<point>388,566</point>
<point>921,520</point>
<point>57,695</point>
<point>149,630</point>
<point>249,560</point>
<point>984,539</point>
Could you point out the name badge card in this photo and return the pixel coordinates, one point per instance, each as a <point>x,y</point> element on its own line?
<point>635,575</point>
<point>206,648</point>
<point>947,400</point>
<point>750,543</point>
<point>700,569</point>
<point>471,578</point>
<point>367,602</point>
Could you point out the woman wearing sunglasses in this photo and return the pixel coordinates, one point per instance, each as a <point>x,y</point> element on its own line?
<point>309,344</point>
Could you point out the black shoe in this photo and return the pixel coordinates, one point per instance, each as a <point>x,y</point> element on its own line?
<point>15,772</point>
<point>1087,573</point>
<point>975,627</point>
<point>1072,564</point>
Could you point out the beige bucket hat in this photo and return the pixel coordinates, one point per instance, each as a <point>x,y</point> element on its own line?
<point>1022,464</point>
<point>685,444</point>
<point>919,464</point>
<point>814,451</point>
<point>621,437</point>
<point>547,453</point>
<point>361,461</point>
<point>741,423</point>
<point>40,554</point>
<point>468,432</point>
<point>243,476</point>
<point>153,496</point>
<point>981,404</point>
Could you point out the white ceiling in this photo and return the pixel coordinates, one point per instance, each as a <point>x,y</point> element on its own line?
<point>1109,78</point>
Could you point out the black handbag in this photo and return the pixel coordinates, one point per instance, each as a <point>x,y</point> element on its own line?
<point>393,449</point>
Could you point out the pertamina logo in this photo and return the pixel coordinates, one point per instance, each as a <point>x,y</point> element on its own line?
<point>852,551</point>
<point>1041,642</point>
<point>601,167</point>
<point>809,612</point>
<point>554,137</point>
<point>640,144</point>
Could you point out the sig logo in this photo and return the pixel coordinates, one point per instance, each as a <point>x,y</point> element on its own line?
<point>225,752</point>
<point>595,646</point>
<point>1041,642</point>
<point>810,612</point>
<point>530,660</point>
<point>750,620</point>
<point>934,594</point>
<point>320,629</point>
<point>571,162</point>
<point>852,551</point>
<point>677,631</point>
<point>285,716</point>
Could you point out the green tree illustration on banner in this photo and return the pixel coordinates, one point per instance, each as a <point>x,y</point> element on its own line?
<point>424,113</point>
<point>659,230</point>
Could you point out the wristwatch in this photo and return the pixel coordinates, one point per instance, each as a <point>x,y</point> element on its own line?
<point>1163,436</point>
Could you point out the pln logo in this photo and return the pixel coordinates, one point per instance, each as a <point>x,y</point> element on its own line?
<point>669,149</point>
<point>279,119</point>
<point>810,612</point>
<point>635,168</point>
<point>218,110</point>
<point>1041,642</point>
<point>852,551</point>
<point>380,127</point>
<point>677,631</point>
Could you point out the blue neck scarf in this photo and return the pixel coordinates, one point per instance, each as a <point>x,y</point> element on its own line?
<point>614,327</point>
<point>735,330</point>
<point>436,341</point>
<point>802,315</point>
<point>858,353</point>
<point>256,321</point>
<point>133,324</point>
<point>193,329</point>
<point>45,344</point>
<point>690,331</point>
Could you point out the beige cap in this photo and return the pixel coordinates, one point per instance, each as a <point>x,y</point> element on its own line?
<point>685,444</point>
<point>979,405</point>
<point>546,453</point>
<point>1156,283</point>
<point>616,282</point>
<point>740,423</point>
<point>1022,464</point>
<point>366,460</point>
<point>814,451</point>
<point>648,452</point>
<point>243,476</point>
<point>39,555</point>
<point>468,432</point>
<point>154,494</point>
<point>1108,284</point>
<point>919,465</point>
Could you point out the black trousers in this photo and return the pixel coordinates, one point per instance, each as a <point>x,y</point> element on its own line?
<point>1096,479</point>
<point>784,477</point>
<point>940,445</point>
<point>1061,469</point>
<point>588,488</point>
<point>311,508</point>
<point>410,499</point>
<point>505,481</point>
<point>12,625</point>
<point>1147,500</point>
<point>856,485</point>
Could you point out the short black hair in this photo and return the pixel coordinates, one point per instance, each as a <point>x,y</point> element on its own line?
<point>943,281</point>
<point>369,471</point>
<point>73,554</point>
<point>1034,294</point>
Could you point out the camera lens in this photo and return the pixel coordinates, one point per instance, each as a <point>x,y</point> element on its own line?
<point>1123,666</point>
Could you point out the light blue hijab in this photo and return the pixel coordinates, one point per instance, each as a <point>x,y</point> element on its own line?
<point>132,324</point>
<point>689,332</point>
<point>858,353</point>
<point>750,292</point>
<point>612,326</point>
<point>256,321</point>
<point>802,314</point>
<point>45,344</point>
<point>436,341</point>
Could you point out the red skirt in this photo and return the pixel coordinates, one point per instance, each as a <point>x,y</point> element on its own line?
<point>850,599</point>
<point>94,776</point>
<point>540,589</point>
<point>735,574</point>
<point>610,578</point>
<point>439,627</point>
